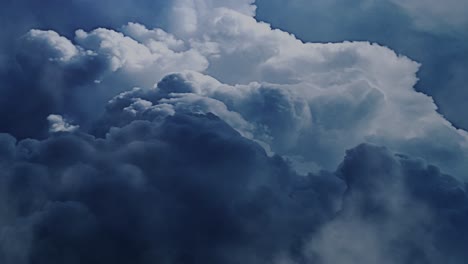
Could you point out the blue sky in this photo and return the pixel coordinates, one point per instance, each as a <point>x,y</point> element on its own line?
<point>233,131</point>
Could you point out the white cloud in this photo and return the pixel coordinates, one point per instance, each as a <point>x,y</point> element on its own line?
<point>314,122</point>
<point>143,52</point>
<point>58,124</point>
<point>303,100</point>
<point>50,43</point>
<point>187,16</point>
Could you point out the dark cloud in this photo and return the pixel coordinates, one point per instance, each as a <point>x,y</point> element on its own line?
<point>35,87</point>
<point>187,190</point>
<point>395,210</point>
<point>190,189</point>
<point>195,170</point>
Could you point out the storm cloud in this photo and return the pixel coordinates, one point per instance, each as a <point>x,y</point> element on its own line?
<point>190,132</point>
<point>188,189</point>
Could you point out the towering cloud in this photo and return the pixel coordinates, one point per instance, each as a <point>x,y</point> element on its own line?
<point>288,95</point>
<point>430,32</point>
<point>220,140</point>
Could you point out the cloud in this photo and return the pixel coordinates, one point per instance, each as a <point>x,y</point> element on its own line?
<point>308,125</point>
<point>188,189</point>
<point>221,140</point>
<point>287,95</point>
<point>430,32</point>
<point>77,79</point>
<point>397,208</point>
<point>187,15</point>
<point>59,124</point>
<point>60,48</point>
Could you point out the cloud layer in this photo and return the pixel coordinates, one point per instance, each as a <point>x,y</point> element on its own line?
<point>220,140</point>
<point>191,189</point>
<point>188,189</point>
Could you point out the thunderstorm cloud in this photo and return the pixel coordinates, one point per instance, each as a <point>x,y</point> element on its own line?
<point>190,131</point>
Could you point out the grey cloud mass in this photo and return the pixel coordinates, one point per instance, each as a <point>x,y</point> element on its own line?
<point>189,132</point>
<point>190,189</point>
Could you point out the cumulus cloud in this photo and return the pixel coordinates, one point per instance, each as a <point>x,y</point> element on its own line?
<point>78,77</point>
<point>396,210</point>
<point>289,119</point>
<point>187,16</point>
<point>287,95</point>
<point>51,43</point>
<point>154,54</point>
<point>218,140</point>
<point>414,28</point>
<point>188,189</point>
<point>59,124</point>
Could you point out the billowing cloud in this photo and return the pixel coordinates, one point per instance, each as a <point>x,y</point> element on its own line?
<point>430,32</point>
<point>351,92</point>
<point>396,210</point>
<point>188,189</point>
<point>192,189</point>
<point>222,140</point>
<point>58,124</point>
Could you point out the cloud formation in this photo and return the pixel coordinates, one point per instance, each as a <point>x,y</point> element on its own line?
<point>430,32</point>
<point>187,189</point>
<point>58,124</point>
<point>221,140</point>
<point>288,95</point>
<point>396,210</point>
<point>191,189</point>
